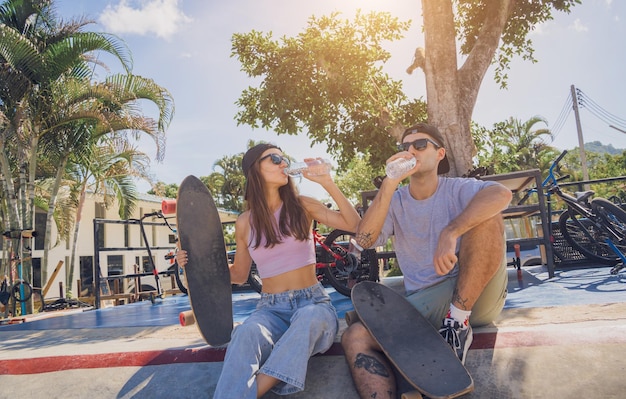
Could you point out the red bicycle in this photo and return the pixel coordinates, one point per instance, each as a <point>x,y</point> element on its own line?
<point>338,263</point>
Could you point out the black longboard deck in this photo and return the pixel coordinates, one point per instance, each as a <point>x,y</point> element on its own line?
<point>208,278</point>
<point>410,342</point>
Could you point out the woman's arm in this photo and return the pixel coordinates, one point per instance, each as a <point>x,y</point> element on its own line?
<point>346,218</point>
<point>240,268</point>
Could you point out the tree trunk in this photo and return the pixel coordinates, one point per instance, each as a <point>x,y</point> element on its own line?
<point>451,92</point>
<point>79,212</point>
<point>49,219</point>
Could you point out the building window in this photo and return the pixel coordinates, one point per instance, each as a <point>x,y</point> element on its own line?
<point>115,265</point>
<point>40,228</point>
<point>86,276</point>
<point>100,213</point>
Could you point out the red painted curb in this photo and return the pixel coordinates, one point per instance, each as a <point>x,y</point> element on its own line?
<point>482,340</point>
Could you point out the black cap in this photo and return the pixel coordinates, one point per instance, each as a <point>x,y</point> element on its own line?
<point>432,131</point>
<point>252,155</point>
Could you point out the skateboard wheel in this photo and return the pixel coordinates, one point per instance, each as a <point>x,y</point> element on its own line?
<point>351,317</point>
<point>186,318</point>
<point>412,395</point>
<point>168,206</point>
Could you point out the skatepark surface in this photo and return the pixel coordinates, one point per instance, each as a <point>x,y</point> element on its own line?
<point>557,337</point>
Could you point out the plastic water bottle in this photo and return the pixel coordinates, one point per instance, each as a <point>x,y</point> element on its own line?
<point>400,166</point>
<point>315,167</point>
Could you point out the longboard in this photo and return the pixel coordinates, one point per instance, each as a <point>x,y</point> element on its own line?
<point>410,342</point>
<point>208,278</point>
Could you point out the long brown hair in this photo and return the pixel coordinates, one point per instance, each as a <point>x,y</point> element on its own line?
<point>292,221</point>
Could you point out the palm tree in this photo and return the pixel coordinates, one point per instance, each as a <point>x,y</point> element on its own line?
<point>232,189</point>
<point>515,145</point>
<point>37,54</point>
<point>53,106</point>
<point>88,112</point>
<point>107,168</point>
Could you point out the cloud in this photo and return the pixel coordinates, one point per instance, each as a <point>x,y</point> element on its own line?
<point>578,26</point>
<point>162,18</point>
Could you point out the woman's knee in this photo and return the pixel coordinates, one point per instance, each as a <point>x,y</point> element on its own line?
<point>250,332</point>
<point>318,316</point>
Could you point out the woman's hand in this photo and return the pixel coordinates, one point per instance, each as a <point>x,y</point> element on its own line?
<point>181,258</point>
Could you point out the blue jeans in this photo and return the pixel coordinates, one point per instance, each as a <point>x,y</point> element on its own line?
<point>278,339</point>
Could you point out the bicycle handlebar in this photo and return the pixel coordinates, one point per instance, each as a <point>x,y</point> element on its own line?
<point>151,214</point>
<point>560,157</point>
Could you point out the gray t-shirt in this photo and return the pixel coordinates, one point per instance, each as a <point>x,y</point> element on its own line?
<point>416,225</point>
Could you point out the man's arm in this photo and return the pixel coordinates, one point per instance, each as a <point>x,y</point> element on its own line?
<point>374,218</point>
<point>487,203</point>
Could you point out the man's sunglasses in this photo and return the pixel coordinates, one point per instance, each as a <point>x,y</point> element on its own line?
<point>276,159</point>
<point>419,144</point>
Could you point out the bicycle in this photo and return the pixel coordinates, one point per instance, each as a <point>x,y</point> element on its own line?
<point>15,288</point>
<point>594,227</point>
<point>173,269</point>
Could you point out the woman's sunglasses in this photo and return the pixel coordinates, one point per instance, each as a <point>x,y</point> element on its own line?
<point>419,144</point>
<point>275,158</point>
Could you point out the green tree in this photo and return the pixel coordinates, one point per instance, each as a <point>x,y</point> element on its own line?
<point>600,166</point>
<point>108,168</point>
<point>164,190</point>
<point>515,145</point>
<point>358,177</point>
<point>232,188</point>
<point>329,80</point>
<point>51,105</point>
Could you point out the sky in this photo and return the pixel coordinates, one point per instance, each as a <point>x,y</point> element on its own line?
<point>185,46</point>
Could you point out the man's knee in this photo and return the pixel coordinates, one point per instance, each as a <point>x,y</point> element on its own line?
<point>356,337</point>
<point>486,239</point>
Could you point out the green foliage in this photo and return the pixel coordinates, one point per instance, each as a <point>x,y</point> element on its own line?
<point>164,190</point>
<point>599,166</point>
<point>598,147</point>
<point>228,182</point>
<point>327,81</point>
<point>358,177</point>
<point>514,145</point>
<point>524,16</point>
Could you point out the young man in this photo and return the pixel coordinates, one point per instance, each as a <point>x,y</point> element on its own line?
<point>449,242</point>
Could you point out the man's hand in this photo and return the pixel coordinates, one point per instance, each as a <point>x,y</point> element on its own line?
<point>445,256</point>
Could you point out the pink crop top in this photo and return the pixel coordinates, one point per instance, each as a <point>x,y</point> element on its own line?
<point>286,256</point>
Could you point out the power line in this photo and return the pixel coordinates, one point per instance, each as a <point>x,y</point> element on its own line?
<point>560,120</point>
<point>602,114</point>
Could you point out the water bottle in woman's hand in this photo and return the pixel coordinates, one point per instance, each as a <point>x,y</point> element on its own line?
<point>315,167</point>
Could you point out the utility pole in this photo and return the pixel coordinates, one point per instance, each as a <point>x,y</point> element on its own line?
<point>581,142</point>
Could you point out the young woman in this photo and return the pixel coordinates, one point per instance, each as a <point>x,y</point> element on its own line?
<point>294,318</point>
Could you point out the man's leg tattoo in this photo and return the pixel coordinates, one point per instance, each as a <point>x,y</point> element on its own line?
<point>456,299</point>
<point>370,364</point>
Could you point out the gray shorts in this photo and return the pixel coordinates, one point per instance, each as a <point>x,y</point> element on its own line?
<point>433,302</point>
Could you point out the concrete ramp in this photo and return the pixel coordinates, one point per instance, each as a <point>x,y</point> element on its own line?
<point>556,338</point>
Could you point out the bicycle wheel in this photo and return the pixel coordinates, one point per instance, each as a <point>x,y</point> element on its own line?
<point>21,291</point>
<point>615,221</point>
<point>587,236</point>
<point>254,280</point>
<point>346,271</point>
<point>179,276</point>
<point>38,301</point>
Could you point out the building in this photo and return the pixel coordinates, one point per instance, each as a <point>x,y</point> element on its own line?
<point>119,248</point>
